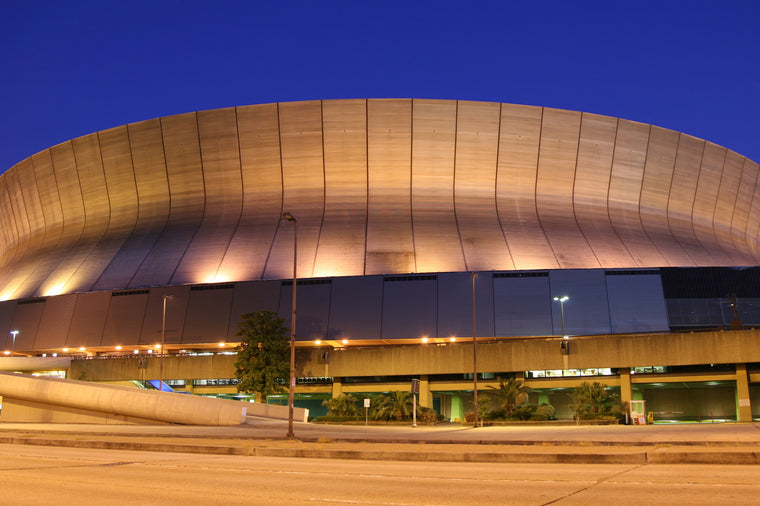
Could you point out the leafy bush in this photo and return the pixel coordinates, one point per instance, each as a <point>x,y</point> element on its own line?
<point>593,401</point>
<point>497,414</point>
<point>543,412</point>
<point>524,412</point>
<point>345,405</point>
<point>427,415</point>
<point>484,409</point>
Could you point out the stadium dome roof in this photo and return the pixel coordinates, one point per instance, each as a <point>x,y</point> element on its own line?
<point>386,186</point>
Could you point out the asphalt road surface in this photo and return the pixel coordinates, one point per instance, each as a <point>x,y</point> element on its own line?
<point>49,475</point>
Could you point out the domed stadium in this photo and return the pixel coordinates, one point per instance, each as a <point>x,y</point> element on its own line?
<point>575,246</point>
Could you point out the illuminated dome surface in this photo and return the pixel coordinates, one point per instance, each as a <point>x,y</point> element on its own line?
<point>378,187</point>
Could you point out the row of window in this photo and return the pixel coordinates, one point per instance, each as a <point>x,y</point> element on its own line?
<point>537,374</point>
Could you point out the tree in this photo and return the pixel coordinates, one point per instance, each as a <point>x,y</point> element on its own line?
<point>510,394</point>
<point>484,410</point>
<point>263,362</point>
<point>593,400</point>
<point>395,406</point>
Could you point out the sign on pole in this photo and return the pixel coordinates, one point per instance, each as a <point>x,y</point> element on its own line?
<point>415,391</point>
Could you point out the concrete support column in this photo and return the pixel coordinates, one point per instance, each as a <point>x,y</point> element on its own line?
<point>426,399</point>
<point>189,386</point>
<point>626,391</point>
<point>337,387</point>
<point>743,405</point>
<point>457,413</point>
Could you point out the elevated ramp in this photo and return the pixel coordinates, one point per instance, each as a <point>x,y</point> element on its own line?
<point>33,399</point>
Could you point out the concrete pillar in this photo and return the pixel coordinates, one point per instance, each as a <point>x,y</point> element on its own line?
<point>626,390</point>
<point>456,408</point>
<point>426,399</point>
<point>743,405</point>
<point>337,387</point>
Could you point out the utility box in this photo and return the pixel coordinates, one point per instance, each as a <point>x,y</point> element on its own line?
<point>637,412</point>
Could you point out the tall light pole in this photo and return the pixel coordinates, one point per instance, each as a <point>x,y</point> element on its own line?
<point>14,333</point>
<point>291,389</point>
<point>474,275</point>
<point>163,332</point>
<point>562,301</point>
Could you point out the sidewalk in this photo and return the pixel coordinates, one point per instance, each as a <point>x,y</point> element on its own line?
<point>640,444</point>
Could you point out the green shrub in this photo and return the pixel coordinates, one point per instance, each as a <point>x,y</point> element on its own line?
<point>497,414</point>
<point>524,412</point>
<point>595,401</point>
<point>484,409</point>
<point>345,405</point>
<point>543,412</point>
<point>426,415</point>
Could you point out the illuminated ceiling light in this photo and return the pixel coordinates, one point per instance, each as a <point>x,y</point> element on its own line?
<point>82,348</point>
<point>6,352</point>
<point>452,339</point>
<point>425,339</point>
<point>221,345</point>
<point>345,341</point>
<point>64,350</point>
<point>318,341</point>
<point>118,347</point>
<point>136,352</point>
<point>157,346</point>
<point>150,351</point>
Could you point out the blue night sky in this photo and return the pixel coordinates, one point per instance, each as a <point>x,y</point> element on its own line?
<point>72,68</point>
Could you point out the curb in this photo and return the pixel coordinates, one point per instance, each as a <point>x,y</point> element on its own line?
<point>550,456</point>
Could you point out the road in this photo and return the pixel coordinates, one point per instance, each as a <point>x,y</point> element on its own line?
<point>44,475</point>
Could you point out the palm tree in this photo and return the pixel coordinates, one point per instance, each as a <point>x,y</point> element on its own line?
<point>510,394</point>
<point>394,406</point>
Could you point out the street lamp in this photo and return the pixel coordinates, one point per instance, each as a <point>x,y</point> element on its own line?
<point>163,332</point>
<point>562,301</point>
<point>14,333</point>
<point>474,275</point>
<point>291,389</point>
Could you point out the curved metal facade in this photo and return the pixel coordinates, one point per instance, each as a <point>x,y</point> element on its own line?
<point>378,187</point>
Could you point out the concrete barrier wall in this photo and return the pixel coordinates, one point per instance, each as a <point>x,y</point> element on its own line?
<point>631,350</point>
<point>124,401</point>
<point>32,364</point>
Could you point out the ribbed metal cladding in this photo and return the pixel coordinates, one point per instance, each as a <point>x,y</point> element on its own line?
<point>392,186</point>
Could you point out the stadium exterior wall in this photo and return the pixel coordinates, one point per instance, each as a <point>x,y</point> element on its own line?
<point>379,187</point>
